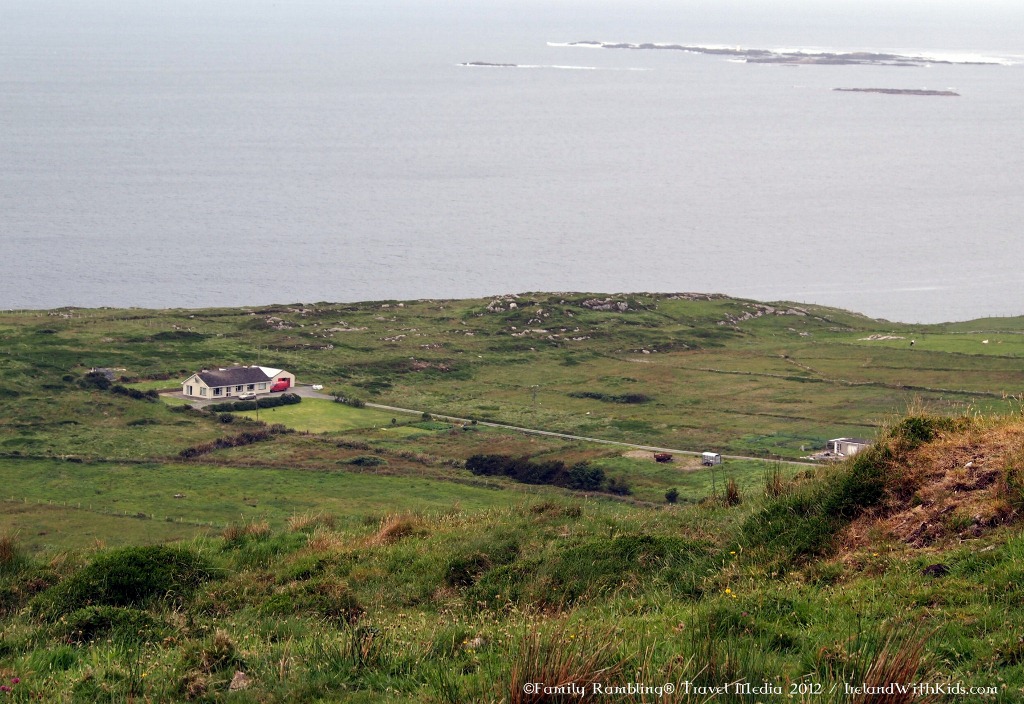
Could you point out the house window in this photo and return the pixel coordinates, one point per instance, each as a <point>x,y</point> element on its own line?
<point>238,388</point>
<point>188,391</point>
<point>202,391</point>
<point>250,387</point>
<point>263,386</point>
<point>217,391</point>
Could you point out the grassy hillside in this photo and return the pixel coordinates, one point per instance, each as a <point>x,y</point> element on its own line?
<point>803,581</point>
<point>152,552</point>
<point>717,372</point>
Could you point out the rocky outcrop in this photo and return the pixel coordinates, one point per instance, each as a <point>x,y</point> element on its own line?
<point>500,305</point>
<point>606,304</point>
<point>758,310</point>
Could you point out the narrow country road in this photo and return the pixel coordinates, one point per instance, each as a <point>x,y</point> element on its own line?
<point>552,434</point>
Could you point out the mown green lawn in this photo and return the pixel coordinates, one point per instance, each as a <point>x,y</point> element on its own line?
<point>316,415</point>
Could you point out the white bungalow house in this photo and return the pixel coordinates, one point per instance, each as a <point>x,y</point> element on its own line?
<point>234,381</point>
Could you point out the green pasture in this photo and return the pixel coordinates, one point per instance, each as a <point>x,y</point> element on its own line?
<point>43,527</point>
<point>65,420</point>
<point>694,482</point>
<point>91,494</point>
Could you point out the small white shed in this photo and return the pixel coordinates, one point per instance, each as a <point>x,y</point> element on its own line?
<point>847,447</point>
<point>710,459</point>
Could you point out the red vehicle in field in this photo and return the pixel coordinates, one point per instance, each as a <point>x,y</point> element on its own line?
<point>281,385</point>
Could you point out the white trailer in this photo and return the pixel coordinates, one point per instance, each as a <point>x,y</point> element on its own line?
<point>710,459</point>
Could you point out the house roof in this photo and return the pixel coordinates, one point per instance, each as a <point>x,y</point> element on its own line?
<point>232,376</point>
<point>270,371</point>
<point>855,441</point>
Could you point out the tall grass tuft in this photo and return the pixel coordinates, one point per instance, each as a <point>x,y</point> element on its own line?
<point>301,522</point>
<point>900,659</point>
<point>560,658</point>
<point>12,557</point>
<point>732,493</point>
<point>395,527</point>
<point>324,540</point>
<point>773,484</point>
<point>877,659</point>
<point>236,533</point>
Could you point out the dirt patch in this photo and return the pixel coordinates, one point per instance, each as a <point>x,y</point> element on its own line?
<point>957,486</point>
<point>639,455</point>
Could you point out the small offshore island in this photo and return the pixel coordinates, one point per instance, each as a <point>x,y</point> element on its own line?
<point>900,91</point>
<point>794,58</point>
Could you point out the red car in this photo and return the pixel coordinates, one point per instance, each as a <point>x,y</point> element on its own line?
<point>282,385</point>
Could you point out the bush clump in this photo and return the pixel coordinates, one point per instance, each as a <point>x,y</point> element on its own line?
<point>95,622</point>
<point>150,395</point>
<point>917,430</point>
<point>466,569</point>
<point>611,398</point>
<point>349,400</point>
<point>264,402</point>
<point>327,599</point>
<point>133,576</point>
<point>367,461</point>
<point>143,421</point>
<point>581,476</point>
<point>95,380</point>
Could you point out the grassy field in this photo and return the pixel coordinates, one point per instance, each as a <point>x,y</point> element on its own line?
<point>345,556</point>
<point>469,604</point>
<point>199,493</point>
<point>45,528</point>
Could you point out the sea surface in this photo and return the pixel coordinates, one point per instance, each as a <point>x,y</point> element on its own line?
<point>195,153</point>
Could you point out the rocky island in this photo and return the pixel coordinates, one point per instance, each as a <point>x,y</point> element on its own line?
<point>792,58</point>
<point>900,91</point>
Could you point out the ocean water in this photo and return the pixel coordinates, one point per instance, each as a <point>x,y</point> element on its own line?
<point>234,153</point>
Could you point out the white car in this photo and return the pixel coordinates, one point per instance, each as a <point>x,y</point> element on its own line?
<point>247,396</point>
<point>318,387</point>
